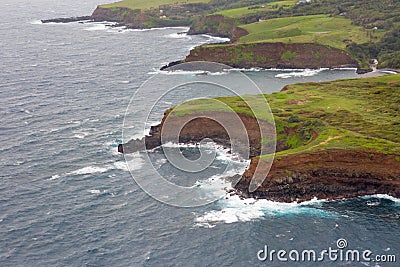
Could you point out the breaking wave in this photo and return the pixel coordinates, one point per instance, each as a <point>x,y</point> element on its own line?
<point>300,73</point>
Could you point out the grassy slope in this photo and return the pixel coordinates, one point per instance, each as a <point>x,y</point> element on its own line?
<point>345,114</point>
<point>143,4</point>
<point>321,29</point>
<point>237,12</point>
<point>292,26</point>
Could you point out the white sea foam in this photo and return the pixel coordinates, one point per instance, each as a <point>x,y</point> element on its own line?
<point>289,70</point>
<point>121,165</point>
<point>52,130</point>
<point>94,191</point>
<point>134,162</point>
<point>244,69</point>
<point>82,171</point>
<point>161,161</point>
<point>36,22</point>
<point>388,71</point>
<point>216,39</point>
<point>96,27</point>
<point>140,30</point>
<point>222,153</point>
<point>218,185</point>
<point>373,203</point>
<point>236,209</point>
<point>112,147</point>
<point>303,73</point>
<point>185,72</point>
<point>179,35</point>
<point>74,122</point>
<point>384,196</point>
<point>55,177</point>
<point>314,201</point>
<point>90,170</point>
<point>102,26</point>
<point>345,69</point>
<point>122,29</point>
<point>81,135</point>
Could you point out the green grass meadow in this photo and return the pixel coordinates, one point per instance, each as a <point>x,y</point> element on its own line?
<point>345,114</point>
<point>321,29</point>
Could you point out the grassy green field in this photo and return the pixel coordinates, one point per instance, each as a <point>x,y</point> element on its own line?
<point>284,21</point>
<point>321,29</point>
<point>237,12</point>
<point>144,4</point>
<point>345,114</point>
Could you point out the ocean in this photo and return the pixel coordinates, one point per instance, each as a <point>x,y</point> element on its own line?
<point>67,197</point>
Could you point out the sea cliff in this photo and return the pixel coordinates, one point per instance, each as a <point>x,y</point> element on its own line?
<point>334,140</point>
<point>129,17</point>
<point>273,55</point>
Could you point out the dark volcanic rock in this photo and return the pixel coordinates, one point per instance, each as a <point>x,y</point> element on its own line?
<point>150,141</point>
<point>67,20</point>
<point>171,64</point>
<point>270,55</point>
<point>363,71</point>
<point>200,128</point>
<point>132,18</point>
<point>333,174</point>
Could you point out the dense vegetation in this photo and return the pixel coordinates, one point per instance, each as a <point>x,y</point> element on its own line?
<point>380,20</point>
<point>366,29</point>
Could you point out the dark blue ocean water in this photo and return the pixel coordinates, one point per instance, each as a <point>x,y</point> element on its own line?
<point>66,197</point>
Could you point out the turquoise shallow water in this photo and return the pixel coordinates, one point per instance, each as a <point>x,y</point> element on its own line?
<point>66,197</point>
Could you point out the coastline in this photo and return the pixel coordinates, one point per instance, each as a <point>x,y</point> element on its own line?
<point>347,64</point>
<point>323,166</point>
<point>279,55</point>
<point>296,185</point>
<point>329,175</point>
<point>270,55</point>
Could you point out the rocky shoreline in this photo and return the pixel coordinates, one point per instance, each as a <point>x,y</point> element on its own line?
<point>257,55</point>
<point>68,20</point>
<point>327,174</point>
<point>330,175</point>
<point>273,55</point>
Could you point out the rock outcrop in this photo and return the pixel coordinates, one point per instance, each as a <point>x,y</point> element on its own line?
<point>67,20</point>
<point>200,128</point>
<point>333,174</point>
<point>273,55</point>
<point>328,174</point>
<point>132,18</point>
